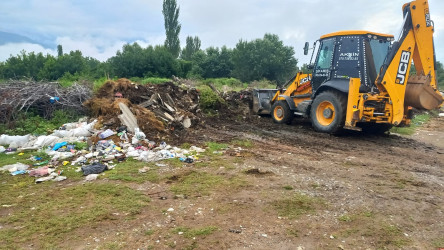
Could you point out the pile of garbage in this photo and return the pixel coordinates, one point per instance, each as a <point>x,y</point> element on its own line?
<point>157,110</point>
<point>92,151</point>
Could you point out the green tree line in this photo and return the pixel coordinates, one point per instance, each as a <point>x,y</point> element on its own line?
<point>250,60</point>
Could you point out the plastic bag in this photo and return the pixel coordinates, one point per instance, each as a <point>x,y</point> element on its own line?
<point>14,167</point>
<point>43,141</point>
<point>105,134</point>
<point>16,140</point>
<point>94,169</point>
<point>59,145</point>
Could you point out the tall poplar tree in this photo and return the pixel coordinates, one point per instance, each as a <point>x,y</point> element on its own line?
<point>172,26</point>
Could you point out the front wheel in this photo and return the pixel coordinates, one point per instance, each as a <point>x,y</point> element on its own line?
<point>328,111</point>
<point>281,112</point>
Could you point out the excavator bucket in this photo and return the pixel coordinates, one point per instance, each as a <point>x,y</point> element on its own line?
<point>419,94</point>
<point>262,100</point>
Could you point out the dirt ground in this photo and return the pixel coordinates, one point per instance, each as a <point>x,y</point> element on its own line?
<point>289,188</point>
<point>361,192</point>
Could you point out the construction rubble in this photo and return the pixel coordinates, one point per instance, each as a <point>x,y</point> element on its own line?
<point>159,111</point>
<point>91,151</point>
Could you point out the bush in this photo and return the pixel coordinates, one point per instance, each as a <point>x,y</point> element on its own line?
<point>209,100</point>
<point>29,123</point>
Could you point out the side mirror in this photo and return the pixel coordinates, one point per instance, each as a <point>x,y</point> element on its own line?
<point>307,45</point>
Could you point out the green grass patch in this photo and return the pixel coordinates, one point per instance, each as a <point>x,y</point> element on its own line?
<point>195,232</point>
<point>263,84</point>
<point>365,224</point>
<point>197,183</point>
<point>30,123</point>
<point>174,162</point>
<point>129,171</point>
<point>97,84</point>
<point>214,146</point>
<point>154,80</point>
<point>81,145</point>
<point>288,187</point>
<point>438,243</point>
<point>45,214</point>
<point>296,205</point>
<point>243,143</point>
<point>149,232</point>
<point>193,183</point>
<point>417,122</point>
<point>25,158</point>
<point>226,84</point>
<point>345,218</point>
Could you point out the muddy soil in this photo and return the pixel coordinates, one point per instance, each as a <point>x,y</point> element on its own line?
<point>361,192</point>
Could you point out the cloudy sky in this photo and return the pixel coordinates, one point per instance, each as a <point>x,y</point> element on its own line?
<point>99,28</point>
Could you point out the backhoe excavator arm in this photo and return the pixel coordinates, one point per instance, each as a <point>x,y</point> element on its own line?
<point>415,43</point>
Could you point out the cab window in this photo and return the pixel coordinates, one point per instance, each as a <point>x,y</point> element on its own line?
<point>326,54</point>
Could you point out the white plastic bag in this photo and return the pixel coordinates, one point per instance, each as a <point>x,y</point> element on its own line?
<point>14,167</point>
<point>16,140</point>
<point>43,141</point>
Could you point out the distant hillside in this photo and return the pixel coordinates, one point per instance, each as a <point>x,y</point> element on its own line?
<point>6,37</point>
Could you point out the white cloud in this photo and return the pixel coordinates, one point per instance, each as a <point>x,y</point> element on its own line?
<point>99,28</point>
<point>14,49</point>
<point>92,47</point>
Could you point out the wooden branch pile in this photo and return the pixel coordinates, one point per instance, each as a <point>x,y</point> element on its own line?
<point>16,96</point>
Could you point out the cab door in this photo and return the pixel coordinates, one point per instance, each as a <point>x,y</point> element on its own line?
<point>324,61</point>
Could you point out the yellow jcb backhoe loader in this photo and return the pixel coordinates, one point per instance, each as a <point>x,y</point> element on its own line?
<point>361,79</point>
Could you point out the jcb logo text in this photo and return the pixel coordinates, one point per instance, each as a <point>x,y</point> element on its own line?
<point>403,66</point>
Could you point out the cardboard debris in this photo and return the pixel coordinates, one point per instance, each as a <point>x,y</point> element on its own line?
<point>127,118</point>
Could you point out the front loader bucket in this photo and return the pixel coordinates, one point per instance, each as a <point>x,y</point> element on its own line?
<point>420,94</point>
<point>262,100</point>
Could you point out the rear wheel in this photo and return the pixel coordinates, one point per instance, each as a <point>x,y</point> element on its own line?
<point>281,112</point>
<point>327,112</point>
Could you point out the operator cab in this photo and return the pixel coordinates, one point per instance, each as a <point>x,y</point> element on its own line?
<point>349,54</point>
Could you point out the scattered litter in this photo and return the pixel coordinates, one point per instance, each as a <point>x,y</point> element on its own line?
<point>59,178</point>
<point>105,134</point>
<point>144,170</point>
<point>131,121</point>
<point>237,231</point>
<point>40,171</point>
<point>14,167</point>
<point>170,209</point>
<point>94,169</point>
<point>18,172</point>
<point>59,145</point>
<point>42,179</point>
<point>91,177</point>
<point>40,163</point>
<point>187,159</point>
